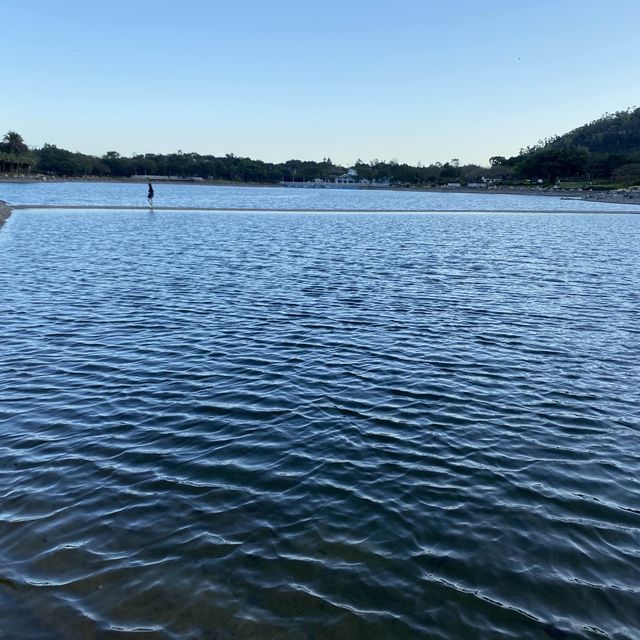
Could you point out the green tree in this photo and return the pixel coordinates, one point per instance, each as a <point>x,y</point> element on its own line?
<point>628,174</point>
<point>552,162</point>
<point>497,161</point>
<point>13,143</point>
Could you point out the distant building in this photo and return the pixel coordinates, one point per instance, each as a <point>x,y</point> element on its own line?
<point>347,178</point>
<point>167,178</point>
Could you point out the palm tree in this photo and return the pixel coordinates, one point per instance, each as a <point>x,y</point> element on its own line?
<point>15,155</point>
<point>14,143</point>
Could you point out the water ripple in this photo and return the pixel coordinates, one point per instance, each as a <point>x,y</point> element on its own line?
<point>319,426</point>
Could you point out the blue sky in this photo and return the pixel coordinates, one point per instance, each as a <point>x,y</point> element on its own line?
<point>410,80</point>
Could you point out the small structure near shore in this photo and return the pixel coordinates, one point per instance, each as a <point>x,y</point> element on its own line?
<point>348,180</point>
<point>147,178</point>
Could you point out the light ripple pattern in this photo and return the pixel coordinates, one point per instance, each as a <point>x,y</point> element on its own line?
<point>126,194</point>
<point>319,426</point>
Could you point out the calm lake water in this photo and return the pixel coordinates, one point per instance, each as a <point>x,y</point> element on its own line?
<point>319,426</point>
<point>194,195</point>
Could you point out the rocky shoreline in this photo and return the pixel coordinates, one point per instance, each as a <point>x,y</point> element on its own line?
<point>5,212</point>
<point>627,197</point>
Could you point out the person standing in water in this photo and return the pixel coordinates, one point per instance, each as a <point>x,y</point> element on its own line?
<point>150,195</point>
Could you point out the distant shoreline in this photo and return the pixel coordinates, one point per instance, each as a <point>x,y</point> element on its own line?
<point>605,197</point>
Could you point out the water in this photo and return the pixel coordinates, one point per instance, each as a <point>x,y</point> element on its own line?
<point>319,426</point>
<point>194,195</point>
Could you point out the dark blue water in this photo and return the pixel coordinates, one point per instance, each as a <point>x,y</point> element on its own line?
<point>319,426</point>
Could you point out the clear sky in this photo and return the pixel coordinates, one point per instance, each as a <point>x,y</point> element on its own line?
<point>410,80</point>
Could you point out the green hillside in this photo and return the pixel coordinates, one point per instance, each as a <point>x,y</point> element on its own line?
<point>606,150</point>
<point>613,133</point>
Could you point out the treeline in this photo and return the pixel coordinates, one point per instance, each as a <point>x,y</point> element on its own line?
<point>54,161</point>
<point>607,149</point>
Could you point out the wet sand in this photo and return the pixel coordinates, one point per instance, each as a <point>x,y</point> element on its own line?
<point>104,207</point>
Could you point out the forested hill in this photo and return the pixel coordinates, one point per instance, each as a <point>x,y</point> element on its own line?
<point>606,150</point>
<point>613,133</point>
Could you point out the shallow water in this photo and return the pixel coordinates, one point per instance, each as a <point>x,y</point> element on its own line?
<point>208,196</point>
<point>319,426</point>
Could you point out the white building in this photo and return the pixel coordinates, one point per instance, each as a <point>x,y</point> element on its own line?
<point>351,177</point>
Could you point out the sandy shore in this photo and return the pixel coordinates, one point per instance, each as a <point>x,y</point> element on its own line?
<point>104,207</point>
<point>608,197</point>
<point>5,212</point>
<point>615,198</point>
